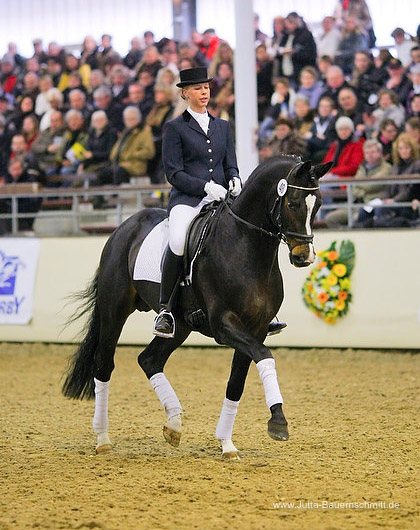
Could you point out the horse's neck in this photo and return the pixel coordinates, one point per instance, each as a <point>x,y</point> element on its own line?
<point>251,205</point>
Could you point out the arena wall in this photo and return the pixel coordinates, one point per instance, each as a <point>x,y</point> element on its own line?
<point>385,312</point>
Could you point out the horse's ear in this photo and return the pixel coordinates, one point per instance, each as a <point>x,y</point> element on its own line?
<point>304,168</point>
<point>321,169</point>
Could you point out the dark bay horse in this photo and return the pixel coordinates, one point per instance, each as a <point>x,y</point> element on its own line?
<point>236,282</point>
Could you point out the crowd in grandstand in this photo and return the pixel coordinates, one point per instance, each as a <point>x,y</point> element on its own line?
<point>330,97</point>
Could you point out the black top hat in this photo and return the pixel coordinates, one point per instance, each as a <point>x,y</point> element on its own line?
<point>193,76</point>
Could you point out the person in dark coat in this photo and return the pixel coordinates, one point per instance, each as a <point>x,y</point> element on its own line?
<point>297,48</point>
<point>101,139</point>
<point>199,159</point>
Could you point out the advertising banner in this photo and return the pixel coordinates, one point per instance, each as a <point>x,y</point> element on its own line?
<point>18,264</point>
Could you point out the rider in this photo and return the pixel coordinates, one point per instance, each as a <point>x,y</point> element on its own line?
<point>199,160</point>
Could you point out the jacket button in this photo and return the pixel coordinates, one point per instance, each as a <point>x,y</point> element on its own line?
<point>211,160</point>
<point>208,141</point>
<point>210,170</point>
<point>209,150</point>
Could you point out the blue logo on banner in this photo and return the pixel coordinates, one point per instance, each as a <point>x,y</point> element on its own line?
<point>8,271</point>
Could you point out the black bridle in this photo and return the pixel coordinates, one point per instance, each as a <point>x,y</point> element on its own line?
<point>275,216</point>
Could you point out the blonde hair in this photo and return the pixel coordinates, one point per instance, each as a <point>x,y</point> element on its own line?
<point>408,140</point>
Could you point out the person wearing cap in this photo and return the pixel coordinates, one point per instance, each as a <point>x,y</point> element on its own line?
<point>199,160</point>
<point>398,81</point>
<point>345,153</point>
<point>403,45</point>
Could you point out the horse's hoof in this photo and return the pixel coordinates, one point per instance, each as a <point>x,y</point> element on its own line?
<point>101,449</point>
<point>278,431</point>
<point>172,437</point>
<point>232,456</point>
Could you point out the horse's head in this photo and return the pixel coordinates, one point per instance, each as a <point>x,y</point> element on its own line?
<point>295,208</point>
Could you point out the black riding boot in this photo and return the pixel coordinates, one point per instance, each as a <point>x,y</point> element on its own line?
<point>275,326</point>
<point>164,325</point>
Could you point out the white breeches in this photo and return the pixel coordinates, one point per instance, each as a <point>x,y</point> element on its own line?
<point>180,218</point>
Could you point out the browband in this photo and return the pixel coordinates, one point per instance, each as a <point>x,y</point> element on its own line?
<point>302,188</point>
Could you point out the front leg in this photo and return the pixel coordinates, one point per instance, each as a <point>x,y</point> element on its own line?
<point>232,332</point>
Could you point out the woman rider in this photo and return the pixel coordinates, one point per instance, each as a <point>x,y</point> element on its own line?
<point>199,160</point>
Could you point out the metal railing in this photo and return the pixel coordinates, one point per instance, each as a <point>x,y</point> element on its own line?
<point>128,199</point>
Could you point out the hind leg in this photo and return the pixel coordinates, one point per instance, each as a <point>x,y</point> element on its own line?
<point>152,360</point>
<point>234,390</point>
<point>111,326</point>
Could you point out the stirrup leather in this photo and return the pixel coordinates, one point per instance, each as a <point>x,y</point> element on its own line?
<point>164,324</point>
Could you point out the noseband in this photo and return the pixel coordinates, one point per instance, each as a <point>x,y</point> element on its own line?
<point>275,216</point>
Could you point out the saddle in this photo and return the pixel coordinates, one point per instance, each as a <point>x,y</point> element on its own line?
<point>200,228</point>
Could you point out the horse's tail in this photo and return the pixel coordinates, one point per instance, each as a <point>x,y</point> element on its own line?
<point>79,382</point>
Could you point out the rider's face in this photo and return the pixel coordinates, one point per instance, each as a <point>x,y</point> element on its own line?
<point>197,96</point>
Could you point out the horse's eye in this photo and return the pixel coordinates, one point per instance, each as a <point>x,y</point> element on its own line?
<point>292,205</point>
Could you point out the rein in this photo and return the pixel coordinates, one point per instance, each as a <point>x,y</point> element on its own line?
<point>281,234</point>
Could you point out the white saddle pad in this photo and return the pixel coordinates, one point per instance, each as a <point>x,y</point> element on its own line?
<point>149,258</point>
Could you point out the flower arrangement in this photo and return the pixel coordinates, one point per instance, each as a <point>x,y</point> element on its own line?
<point>326,291</point>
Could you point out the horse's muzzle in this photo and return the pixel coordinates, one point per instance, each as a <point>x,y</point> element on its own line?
<point>302,255</point>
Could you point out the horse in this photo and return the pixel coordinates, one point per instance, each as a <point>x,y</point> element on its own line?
<point>236,283</point>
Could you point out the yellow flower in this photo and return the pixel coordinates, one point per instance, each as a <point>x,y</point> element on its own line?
<point>324,284</point>
<point>339,269</point>
<point>332,279</point>
<point>340,304</point>
<point>330,320</point>
<point>345,284</point>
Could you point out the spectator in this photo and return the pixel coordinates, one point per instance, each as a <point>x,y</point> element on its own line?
<point>19,61</point>
<point>322,132</point>
<point>147,81</point>
<point>100,141</point>
<point>39,53</point>
<point>30,86</point>
<point>309,86</point>
<point>119,79</point>
<point>224,76</point>
<point>41,102</point>
<point>415,79</point>
<point>381,62</point>
<point>54,69</point>
<point>359,10</point>
<point>77,101</point>
<point>225,95</point>
<point>373,165</point>
<point>346,153</point>
<point>102,99</point>
<point>349,105</point>
<point>170,62</point>
<point>297,49</point>
<point>137,97</point>
<point>352,40</point>
<point>17,173</point>
<point>132,151</point>
<point>55,99</point>
<point>96,79</point>
<point>406,157</point>
<point>105,51</point>
<point>161,112</point>
<point>415,58</point>
<point>75,83</point>
<point>388,108</point>
<point>403,45</point>
<point>56,51</point>
<point>191,52</point>
<point>151,63</point>
<point>264,75</point>
<point>412,128</point>
<point>30,130</point>
<point>303,115</point>
<point>284,140</point>
<point>366,79</point>
<point>223,54</point>
<point>25,107</point>
<point>134,55</point>
<point>89,54</point>
<point>148,38</point>
<point>71,65</point>
<point>32,65</point>
<point>335,81</point>
<point>328,41</point>
<point>398,81</point>
<point>282,104</point>
<point>8,75</point>
<point>209,44</point>
<point>273,43</point>
<point>46,145</point>
<point>260,37</point>
<point>388,131</point>
<point>73,145</point>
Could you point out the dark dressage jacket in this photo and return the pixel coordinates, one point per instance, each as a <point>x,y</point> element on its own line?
<point>192,158</point>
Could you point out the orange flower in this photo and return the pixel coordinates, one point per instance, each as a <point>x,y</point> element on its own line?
<point>321,265</point>
<point>342,295</point>
<point>322,297</point>
<point>332,255</point>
